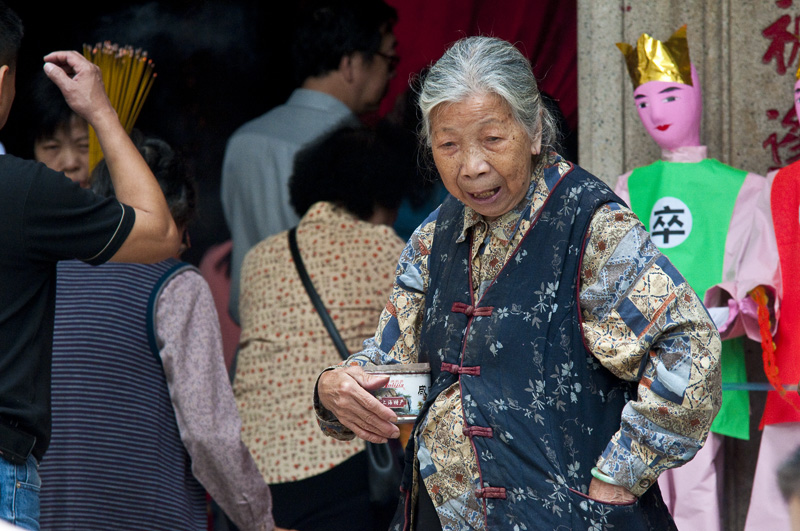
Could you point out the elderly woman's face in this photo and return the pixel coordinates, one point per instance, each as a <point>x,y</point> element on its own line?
<point>482,153</point>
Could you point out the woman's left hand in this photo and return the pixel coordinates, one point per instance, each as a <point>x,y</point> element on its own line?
<point>345,392</point>
<point>608,493</point>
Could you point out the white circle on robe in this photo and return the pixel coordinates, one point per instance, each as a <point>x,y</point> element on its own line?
<point>670,222</point>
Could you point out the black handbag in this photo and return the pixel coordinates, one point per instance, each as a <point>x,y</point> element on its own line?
<point>384,459</point>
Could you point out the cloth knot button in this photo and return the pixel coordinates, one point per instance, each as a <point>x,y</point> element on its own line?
<point>478,431</point>
<point>491,492</point>
<point>455,369</point>
<point>470,311</point>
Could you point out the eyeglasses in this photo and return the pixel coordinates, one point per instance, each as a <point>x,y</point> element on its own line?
<point>393,60</point>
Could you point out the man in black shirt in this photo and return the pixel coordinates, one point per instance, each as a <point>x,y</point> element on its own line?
<point>44,218</point>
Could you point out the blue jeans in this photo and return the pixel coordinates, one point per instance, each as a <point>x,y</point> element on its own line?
<point>19,493</point>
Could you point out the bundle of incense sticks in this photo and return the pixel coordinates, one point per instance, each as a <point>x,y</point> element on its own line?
<point>128,76</point>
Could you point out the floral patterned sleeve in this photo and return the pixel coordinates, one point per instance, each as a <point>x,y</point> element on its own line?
<point>396,338</point>
<point>644,323</point>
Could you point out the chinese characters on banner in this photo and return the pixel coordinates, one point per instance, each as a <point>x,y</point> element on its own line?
<point>782,39</point>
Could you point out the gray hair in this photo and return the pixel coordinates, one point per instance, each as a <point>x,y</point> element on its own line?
<point>487,65</point>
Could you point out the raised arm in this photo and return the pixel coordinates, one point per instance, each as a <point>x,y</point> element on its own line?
<point>154,236</point>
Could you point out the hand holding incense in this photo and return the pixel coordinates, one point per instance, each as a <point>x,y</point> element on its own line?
<point>80,82</point>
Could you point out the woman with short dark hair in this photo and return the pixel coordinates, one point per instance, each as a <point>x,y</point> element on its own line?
<point>346,187</point>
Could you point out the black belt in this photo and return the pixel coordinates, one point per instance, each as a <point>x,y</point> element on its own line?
<point>16,444</point>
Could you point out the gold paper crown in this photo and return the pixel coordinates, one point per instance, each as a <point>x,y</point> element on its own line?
<point>797,74</point>
<point>653,60</point>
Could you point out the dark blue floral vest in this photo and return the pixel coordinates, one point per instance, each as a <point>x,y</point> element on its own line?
<point>538,406</point>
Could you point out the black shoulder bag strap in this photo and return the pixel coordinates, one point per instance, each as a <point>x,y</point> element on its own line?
<point>384,468</point>
<point>314,296</point>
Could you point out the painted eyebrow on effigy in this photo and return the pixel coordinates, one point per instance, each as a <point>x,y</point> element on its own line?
<point>668,89</point>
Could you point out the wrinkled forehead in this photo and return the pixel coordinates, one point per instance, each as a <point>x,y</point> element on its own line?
<point>655,88</point>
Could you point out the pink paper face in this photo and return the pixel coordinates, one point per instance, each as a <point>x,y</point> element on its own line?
<point>797,98</point>
<point>671,112</point>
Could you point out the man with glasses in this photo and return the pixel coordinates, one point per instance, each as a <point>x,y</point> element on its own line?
<point>343,54</point>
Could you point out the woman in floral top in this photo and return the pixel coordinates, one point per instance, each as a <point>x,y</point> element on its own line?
<point>346,187</point>
<point>571,363</point>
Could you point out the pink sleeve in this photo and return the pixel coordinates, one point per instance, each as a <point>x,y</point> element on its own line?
<point>751,259</point>
<point>205,408</point>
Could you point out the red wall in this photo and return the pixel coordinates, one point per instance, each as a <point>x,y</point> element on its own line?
<point>545,31</point>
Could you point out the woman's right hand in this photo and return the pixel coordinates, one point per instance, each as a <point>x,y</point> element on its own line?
<point>346,393</point>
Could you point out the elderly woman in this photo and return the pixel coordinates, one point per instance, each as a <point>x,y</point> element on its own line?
<point>571,363</point>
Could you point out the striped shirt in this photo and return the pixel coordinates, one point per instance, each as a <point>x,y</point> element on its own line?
<point>143,411</point>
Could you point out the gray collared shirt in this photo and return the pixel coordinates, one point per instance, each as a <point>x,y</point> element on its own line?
<point>257,165</point>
